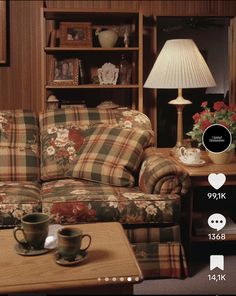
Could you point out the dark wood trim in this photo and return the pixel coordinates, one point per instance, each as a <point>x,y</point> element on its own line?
<point>4,34</point>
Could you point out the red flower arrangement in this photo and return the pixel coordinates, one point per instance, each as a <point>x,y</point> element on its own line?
<point>222,114</point>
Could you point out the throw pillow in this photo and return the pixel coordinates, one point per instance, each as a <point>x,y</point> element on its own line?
<point>59,149</point>
<point>110,155</point>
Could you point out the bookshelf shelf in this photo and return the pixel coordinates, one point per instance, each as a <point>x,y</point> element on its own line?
<point>87,86</point>
<point>99,49</point>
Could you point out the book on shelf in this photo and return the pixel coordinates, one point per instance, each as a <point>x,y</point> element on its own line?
<point>53,38</point>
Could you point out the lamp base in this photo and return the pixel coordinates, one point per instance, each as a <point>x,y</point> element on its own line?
<point>180,103</point>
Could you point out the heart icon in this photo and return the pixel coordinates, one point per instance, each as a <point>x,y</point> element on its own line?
<point>216,180</point>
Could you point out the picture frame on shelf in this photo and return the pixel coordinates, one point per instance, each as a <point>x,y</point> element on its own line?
<point>75,34</point>
<point>94,75</point>
<point>64,71</point>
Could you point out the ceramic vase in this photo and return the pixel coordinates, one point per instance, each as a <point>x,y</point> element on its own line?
<point>107,38</point>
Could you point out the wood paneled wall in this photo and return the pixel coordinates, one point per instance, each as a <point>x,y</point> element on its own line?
<point>158,7</point>
<point>20,82</point>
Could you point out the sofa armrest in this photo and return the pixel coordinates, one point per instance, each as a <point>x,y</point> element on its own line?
<point>159,174</point>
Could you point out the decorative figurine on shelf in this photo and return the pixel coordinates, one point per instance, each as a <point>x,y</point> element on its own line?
<point>107,105</point>
<point>108,74</point>
<point>126,36</point>
<point>125,71</point>
<point>81,72</point>
<point>52,102</point>
<point>126,39</point>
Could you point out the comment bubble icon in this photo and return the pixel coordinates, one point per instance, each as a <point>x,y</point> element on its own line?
<point>217,221</point>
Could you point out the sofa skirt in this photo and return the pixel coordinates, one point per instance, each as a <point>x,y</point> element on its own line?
<point>18,199</point>
<point>161,260</point>
<point>159,251</point>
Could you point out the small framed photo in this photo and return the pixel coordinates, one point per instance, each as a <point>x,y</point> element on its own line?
<point>75,34</point>
<point>94,75</point>
<point>64,71</point>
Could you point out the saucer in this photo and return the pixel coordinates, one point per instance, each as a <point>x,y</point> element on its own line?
<point>79,258</point>
<point>29,251</point>
<point>193,164</point>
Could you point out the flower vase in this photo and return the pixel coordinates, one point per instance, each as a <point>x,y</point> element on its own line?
<point>223,157</point>
<point>107,38</point>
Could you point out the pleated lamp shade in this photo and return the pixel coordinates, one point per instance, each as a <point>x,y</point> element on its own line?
<point>180,65</point>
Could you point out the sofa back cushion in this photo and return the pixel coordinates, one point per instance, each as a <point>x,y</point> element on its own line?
<point>80,117</point>
<point>110,155</point>
<point>61,133</point>
<point>19,153</point>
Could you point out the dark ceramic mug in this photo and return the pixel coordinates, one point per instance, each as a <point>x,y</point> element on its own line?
<point>34,228</point>
<point>69,240</point>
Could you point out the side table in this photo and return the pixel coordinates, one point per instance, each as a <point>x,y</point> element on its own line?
<point>199,181</point>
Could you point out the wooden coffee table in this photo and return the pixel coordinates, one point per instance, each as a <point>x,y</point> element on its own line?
<point>110,268</point>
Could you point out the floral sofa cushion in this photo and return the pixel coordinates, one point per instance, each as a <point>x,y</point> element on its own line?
<point>71,201</point>
<point>18,199</point>
<point>59,149</point>
<point>19,155</point>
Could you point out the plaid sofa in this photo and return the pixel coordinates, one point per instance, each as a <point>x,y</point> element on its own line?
<point>84,165</point>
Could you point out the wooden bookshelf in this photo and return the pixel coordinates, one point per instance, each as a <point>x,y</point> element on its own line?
<point>93,57</point>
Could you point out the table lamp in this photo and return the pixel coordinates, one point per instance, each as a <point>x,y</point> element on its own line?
<point>179,65</point>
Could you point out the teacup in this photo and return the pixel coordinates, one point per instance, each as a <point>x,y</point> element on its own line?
<point>190,155</point>
<point>69,240</point>
<point>34,227</point>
